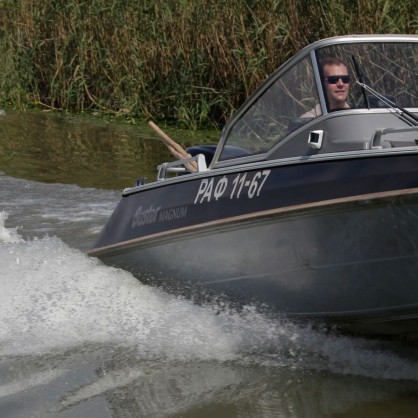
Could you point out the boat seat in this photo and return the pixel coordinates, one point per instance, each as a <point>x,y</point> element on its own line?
<point>208,151</point>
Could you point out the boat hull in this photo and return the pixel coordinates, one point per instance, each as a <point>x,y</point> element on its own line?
<point>350,260</point>
<point>351,264</point>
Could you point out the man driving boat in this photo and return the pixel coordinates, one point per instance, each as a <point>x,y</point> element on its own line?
<point>336,82</point>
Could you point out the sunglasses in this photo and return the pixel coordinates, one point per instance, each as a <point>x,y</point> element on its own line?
<point>333,79</point>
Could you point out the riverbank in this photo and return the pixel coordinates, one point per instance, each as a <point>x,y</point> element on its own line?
<point>191,62</point>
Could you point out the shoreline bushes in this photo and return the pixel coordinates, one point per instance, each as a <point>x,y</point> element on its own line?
<point>190,61</point>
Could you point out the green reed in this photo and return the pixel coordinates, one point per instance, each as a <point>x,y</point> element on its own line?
<point>190,61</point>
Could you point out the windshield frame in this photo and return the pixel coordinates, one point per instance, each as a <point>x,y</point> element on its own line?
<point>309,52</point>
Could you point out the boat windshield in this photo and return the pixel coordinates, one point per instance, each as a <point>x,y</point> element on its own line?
<point>269,119</point>
<point>293,98</point>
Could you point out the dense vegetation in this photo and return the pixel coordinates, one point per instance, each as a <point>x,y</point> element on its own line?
<point>192,61</point>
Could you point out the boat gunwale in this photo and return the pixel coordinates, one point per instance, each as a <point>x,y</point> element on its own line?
<point>266,164</point>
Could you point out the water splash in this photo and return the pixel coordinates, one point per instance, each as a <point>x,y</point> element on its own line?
<point>54,296</point>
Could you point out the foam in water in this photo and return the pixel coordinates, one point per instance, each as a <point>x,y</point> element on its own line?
<point>54,297</point>
<point>7,235</point>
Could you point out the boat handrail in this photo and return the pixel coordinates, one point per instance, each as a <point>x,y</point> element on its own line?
<point>180,166</point>
<point>376,140</point>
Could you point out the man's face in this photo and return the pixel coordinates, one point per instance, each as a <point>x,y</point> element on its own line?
<point>336,93</point>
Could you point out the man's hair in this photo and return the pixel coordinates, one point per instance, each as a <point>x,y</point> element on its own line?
<point>330,61</point>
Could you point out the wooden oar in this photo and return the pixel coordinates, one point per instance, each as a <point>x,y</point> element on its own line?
<point>175,149</point>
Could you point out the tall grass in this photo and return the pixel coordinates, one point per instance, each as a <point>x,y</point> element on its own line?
<point>193,61</point>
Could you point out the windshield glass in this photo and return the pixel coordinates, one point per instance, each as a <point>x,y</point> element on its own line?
<point>288,103</point>
<point>389,68</point>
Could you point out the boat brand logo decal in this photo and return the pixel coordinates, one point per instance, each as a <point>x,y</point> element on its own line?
<point>248,185</point>
<point>153,215</point>
<point>145,217</point>
<point>173,213</point>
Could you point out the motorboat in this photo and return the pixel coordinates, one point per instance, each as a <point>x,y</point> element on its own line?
<point>308,205</point>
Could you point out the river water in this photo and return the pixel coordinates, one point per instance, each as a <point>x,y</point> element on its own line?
<point>80,339</point>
